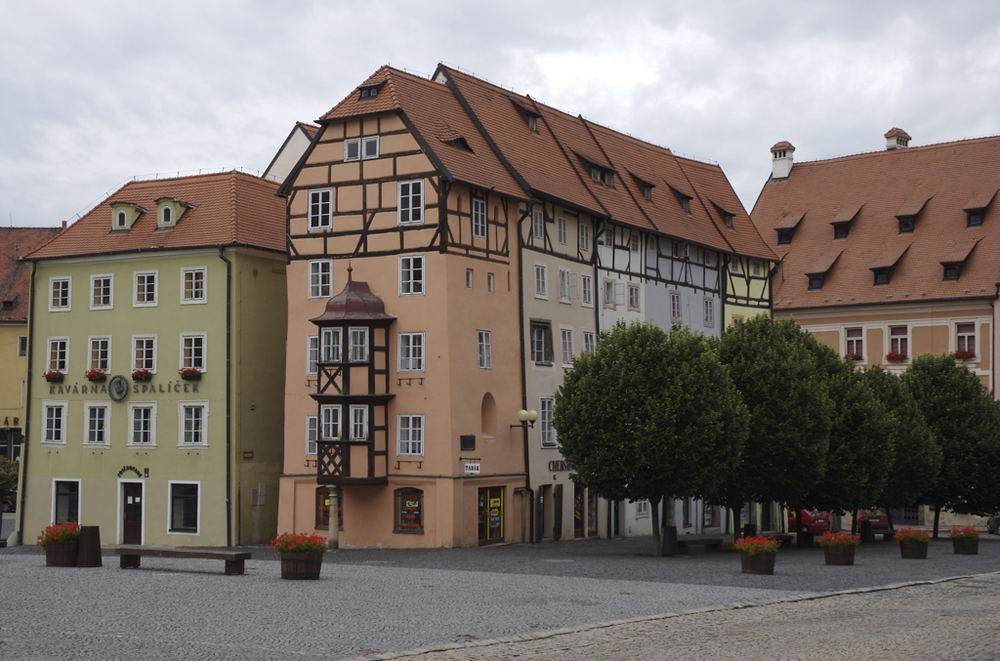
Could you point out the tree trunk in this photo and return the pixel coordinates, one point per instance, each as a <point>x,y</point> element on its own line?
<point>888,517</point>
<point>854,521</point>
<point>800,533</point>
<point>654,521</point>
<point>937,519</point>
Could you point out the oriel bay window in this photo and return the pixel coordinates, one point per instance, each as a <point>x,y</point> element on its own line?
<point>359,422</point>
<point>359,344</point>
<point>332,345</point>
<point>330,423</point>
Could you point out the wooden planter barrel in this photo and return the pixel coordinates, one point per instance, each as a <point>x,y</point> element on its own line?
<point>965,545</point>
<point>913,549</point>
<point>762,563</point>
<point>301,566</point>
<point>62,554</point>
<point>839,555</point>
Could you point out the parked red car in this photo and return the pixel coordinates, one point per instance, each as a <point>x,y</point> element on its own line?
<point>878,518</point>
<point>813,521</point>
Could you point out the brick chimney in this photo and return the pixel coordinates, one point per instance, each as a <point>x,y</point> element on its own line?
<point>896,138</point>
<point>781,159</point>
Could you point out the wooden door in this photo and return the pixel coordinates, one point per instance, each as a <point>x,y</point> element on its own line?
<point>131,513</point>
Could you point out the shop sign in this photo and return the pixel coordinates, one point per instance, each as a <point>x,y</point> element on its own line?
<point>472,468</point>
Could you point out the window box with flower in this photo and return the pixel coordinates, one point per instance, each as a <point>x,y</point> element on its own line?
<point>839,547</point>
<point>142,375</point>
<point>913,543</point>
<point>964,540</point>
<point>757,554</point>
<point>53,376</point>
<point>852,357</point>
<point>190,373</point>
<point>963,354</point>
<point>896,357</point>
<point>61,542</point>
<point>301,555</point>
<point>95,375</point>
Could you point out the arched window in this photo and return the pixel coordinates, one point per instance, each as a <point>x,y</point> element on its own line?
<point>409,511</point>
<point>165,216</point>
<point>121,220</point>
<point>489,415</point>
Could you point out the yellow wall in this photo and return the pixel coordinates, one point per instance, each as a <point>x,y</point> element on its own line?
<point>12,375</point>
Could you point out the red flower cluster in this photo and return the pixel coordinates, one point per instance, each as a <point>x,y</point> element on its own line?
<point>830,538</point>
<point>94,374</point>
<point>963,532</point>
<point>962,354</point>
<point>755,545</point>
<point>59,533</point>
<point>141,374</point>
<point>895,357</point>
<point>912,535</point>
<point>298,542</point>
<point>852,357</point>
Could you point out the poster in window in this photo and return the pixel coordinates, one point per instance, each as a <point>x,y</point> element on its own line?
<point>410,513</point>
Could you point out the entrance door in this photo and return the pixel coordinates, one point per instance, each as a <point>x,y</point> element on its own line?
<point>579,505</point>
<point>131,513</point>
<point>490,515</point>
<point>557,510</point>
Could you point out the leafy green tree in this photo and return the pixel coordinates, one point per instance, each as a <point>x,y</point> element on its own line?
<point>8,476</point>
<point>966,423</point>
<point>648,415</point>
<point>916,457</point>
<point>785,392</point>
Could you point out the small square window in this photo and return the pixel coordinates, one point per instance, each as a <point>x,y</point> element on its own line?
<point>974,217</point>
<point>840,230</point>
<point>815,281</point>
<point>906,224</point>
<point>193,285</point>
<point>952,271</point>
<point>881,276</point>
<point>785,236</point>
<point>144,294</point>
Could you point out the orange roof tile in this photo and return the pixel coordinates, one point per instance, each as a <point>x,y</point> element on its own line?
<point>958,251</point>
<point>847,213</point>
<point>229,208</point>
<point>824,262</point>
<point>15,243</point>
<point>890,255</point>
<point>938,181</point>
<point>980,200</point>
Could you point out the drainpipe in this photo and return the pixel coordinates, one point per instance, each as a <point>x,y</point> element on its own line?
<point>229,404</point>
<point>22,487</point>
<point>993,339</point>
<point>524,384</point>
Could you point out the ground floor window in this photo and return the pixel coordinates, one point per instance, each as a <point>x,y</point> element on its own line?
<point>67,501</point>
<point>409,510</point>
<point>710,516</point>
<point>323,509</point>
<point>183,507</point>
<point>490,515</point>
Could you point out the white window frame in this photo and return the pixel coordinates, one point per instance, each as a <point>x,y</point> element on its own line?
<point>583,236</point>
<point>546,426</point>
<point>608,294</point>
<point>79,498</point>
<point>136,303</point>
<point>959,336</point>
<point>414,202</point>
<point>312,434</point>
<point>566,346</point>
<point>890,338</point>
<point>413,446</point>
<point>120,220</point>
<point>193,271</point>
<point>589,340</point>
<point>356,332</point>
<point>110,277</point>
<point>135,355</point>
<point>586,290</point>
<point>201,365</point>
<point>358,414</point>
<point>634,293</point>
<point>490,282</point>
<point>411,353</point>
<point>538,224</point>
<point>851,343</point>
<point>181,423</point>
<point>331,351</point>
<point>67,292</point>
<point>132,408</point>
<point>62,417</point>
<point>170,507</point>
<point>561,232</point>
<point>676,307</point>
<point>479,219</point>
<point>708,316</point>
<point>64,367</point>
<point>320,278</point>
<point>565,286</point>
<point>408,285</point>
<point>312,354</point>
<point>330,420</point>
<point>361,144</point>
<point>484,349</point>
<point>541,281</point>
<point>104,406</point>
<point>91,365</point>
<point>318,218</point>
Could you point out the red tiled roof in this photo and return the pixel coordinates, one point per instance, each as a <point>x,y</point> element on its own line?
<point>938,181</point>
<point>229,208</point>
<point>824,262</point>
<point>15,243</point>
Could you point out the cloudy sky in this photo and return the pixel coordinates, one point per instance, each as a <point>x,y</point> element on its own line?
<point>95,93</point>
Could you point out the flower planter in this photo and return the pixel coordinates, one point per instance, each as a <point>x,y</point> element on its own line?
<point>301,566</point>
<point>54,378</point>
<point>61,554</point>
<point>965,545</point>
<point>839,555</point>
<point>761,563</point>
<point>98,379</point>
<point>191,376</point>
<point>913,549</point>
<point>142,377</point>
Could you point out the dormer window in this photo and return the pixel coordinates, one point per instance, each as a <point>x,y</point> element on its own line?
<point>882,275</point>
<point>952,270</point>
<point>785,235</point>
<point>121,220</point>
<point>169,212</point>
<point>124,215</point>
<point>683,200</point>
<point>369,91</point>
<point>727,218</point>
<point>817,272</point>
<point>602,175</point>
<point>816,280</point>
<point>841,230</point>
<point>459,143</point>
<point>645,188</point>
<point>906,224</point>
<point>955,255</point>
<point>165,215</point>
<point>532,121</point>
<point>907,214</point>
<point>974,217</point>
<point>357,149</point>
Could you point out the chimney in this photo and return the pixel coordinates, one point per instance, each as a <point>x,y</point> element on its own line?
<point>64,224</point>
<point>896,138</point>
<point>781,159</point>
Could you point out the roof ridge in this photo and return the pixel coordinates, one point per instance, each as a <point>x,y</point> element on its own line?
<point>904,150</point>
<point>233,200</point>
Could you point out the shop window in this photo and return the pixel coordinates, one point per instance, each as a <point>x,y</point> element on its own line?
<point>409,511</point>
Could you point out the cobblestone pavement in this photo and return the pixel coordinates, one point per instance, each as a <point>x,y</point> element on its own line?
<point>374,603</point>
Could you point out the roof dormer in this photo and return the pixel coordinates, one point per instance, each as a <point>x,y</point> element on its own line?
<point>817,273</point>
<point>975,208</point>
<point>787,225</point>
<point>908,213</point>
<point>886,263</point>
<point>124,215</point>
<point>169,211</point>
<point>369,91</point>
<point>843,220</point>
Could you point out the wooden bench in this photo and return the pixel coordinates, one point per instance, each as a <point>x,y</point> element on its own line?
<point>712,543</point>
<point>129,556</point>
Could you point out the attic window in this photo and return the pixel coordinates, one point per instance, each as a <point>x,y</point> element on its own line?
<point>459,143</point>
<point>816,280</point>
<point>683,200</point>
<point>906,224</point>
<point>882,275</point>
<point>602,175</point>
<point>952,270</point>
<point>532,121</point>
<point>841,230</point>
<point>121,220</point>
<point>7,305</point>
<point>974,217</point>
<point>369,91</point>
<point>166,214</point>
<point>358,149</point>
<point>785,235</point>
<point>645,188</point>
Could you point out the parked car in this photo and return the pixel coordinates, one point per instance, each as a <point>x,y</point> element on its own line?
<point>8,504</point>
<point>993,525</point>
<point>813,521</point>
<point>878,519</point>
